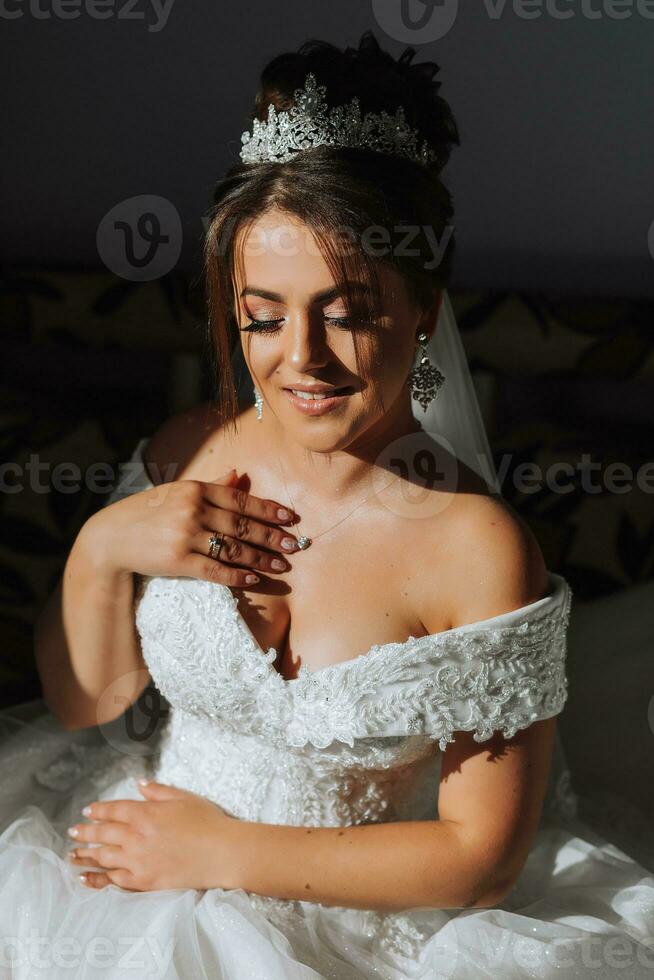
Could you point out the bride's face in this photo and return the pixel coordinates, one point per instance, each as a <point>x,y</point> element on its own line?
<point>301,336</point>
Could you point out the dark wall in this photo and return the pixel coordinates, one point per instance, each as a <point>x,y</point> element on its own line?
<point>553,182</point>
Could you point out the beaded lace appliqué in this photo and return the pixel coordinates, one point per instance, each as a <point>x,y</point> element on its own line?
<point>480,680</point>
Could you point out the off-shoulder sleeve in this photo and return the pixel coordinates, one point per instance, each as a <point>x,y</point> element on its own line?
<point>132,476</point>
<point>495,675</point>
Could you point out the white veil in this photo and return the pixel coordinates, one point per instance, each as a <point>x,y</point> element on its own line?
<point>453,416</point>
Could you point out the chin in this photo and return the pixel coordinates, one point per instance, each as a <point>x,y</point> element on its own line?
<point>330,439</point>
<point>323,435</point>
<point>321,431</point>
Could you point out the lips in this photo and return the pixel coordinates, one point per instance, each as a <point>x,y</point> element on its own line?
<point>318,402</point>
<point>319,394</point>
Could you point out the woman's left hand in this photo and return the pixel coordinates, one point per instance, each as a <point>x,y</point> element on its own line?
<point>172,839</point>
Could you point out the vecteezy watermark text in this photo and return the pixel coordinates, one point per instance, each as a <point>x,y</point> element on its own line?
<point>142,954</point>
<point>425,21</point>
<point>289,239</point>
<point>94,9</point>
<point>558,477</point>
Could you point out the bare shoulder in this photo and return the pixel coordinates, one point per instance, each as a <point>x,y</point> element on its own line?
<point>496,562</point>
<point>178,448</point>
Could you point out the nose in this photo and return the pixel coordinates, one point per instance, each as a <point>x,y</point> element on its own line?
<point>307,347</point>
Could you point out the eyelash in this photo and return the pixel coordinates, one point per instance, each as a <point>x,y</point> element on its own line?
<point>272,326</point>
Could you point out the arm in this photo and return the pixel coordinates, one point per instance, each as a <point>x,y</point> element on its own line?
<point>467,860</point>
<point>489,805</point>
<point>86,643</point>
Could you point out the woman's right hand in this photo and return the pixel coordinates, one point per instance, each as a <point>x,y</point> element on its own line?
<point>165,530</point>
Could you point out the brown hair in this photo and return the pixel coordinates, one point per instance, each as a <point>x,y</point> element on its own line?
<point>336,189</point>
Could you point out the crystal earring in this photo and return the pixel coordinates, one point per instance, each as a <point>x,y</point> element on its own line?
<point>425,380</point>
<point>258,402</point>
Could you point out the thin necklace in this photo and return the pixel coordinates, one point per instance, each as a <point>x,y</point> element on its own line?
<point>303,541</point>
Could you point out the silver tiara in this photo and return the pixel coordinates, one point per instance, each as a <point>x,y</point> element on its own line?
<point>310,123</point>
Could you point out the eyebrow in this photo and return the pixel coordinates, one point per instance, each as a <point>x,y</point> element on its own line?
<point>325,295</point>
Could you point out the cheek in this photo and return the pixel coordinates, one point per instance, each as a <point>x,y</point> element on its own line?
<point>389,372</point>
<point>262,358</point>
<point>403,353</point>
<point>393,375</point>
<point>393,359</point>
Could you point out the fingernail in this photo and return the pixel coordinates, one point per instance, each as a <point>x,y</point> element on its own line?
<point>142,782</point>
<point>283,514</point>
<point>278,564</point>
<point>87,811</point>
<point>251,578</point>
<point>289,544</point>
<point>73,831</point>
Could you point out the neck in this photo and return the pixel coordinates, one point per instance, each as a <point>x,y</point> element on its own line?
<point>319,478</point>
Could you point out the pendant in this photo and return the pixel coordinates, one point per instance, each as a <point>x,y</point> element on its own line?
<point>303,542</point>
<point>425,381</point>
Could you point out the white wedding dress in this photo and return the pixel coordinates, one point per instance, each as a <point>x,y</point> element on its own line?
<point>356,742</point>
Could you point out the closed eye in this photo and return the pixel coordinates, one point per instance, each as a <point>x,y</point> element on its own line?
<point>262,326</point>
<point>271,326</point>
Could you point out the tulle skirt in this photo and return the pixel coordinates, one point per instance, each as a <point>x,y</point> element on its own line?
<point>582,907</point>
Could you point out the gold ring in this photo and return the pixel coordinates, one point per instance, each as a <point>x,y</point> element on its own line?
<point>216,542</point>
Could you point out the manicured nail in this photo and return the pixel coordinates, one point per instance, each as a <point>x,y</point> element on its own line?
<point>142,782</point>
<point>278,564</point>
<point>289,544</point>
<point>87,811</point>
<point>83,879</point>
<point>73,831</point>
<point>251,578</point>
<point>283,514</point>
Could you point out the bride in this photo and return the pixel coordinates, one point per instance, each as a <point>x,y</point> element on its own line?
<point>361,649</point>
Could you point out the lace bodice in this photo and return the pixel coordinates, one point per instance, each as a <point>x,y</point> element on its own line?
<point>354,742</point>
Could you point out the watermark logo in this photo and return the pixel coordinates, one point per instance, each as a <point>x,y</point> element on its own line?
<point>425,464</point>
<point>416,21</point>
<point>140,238</point>
<point>135,731</point>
